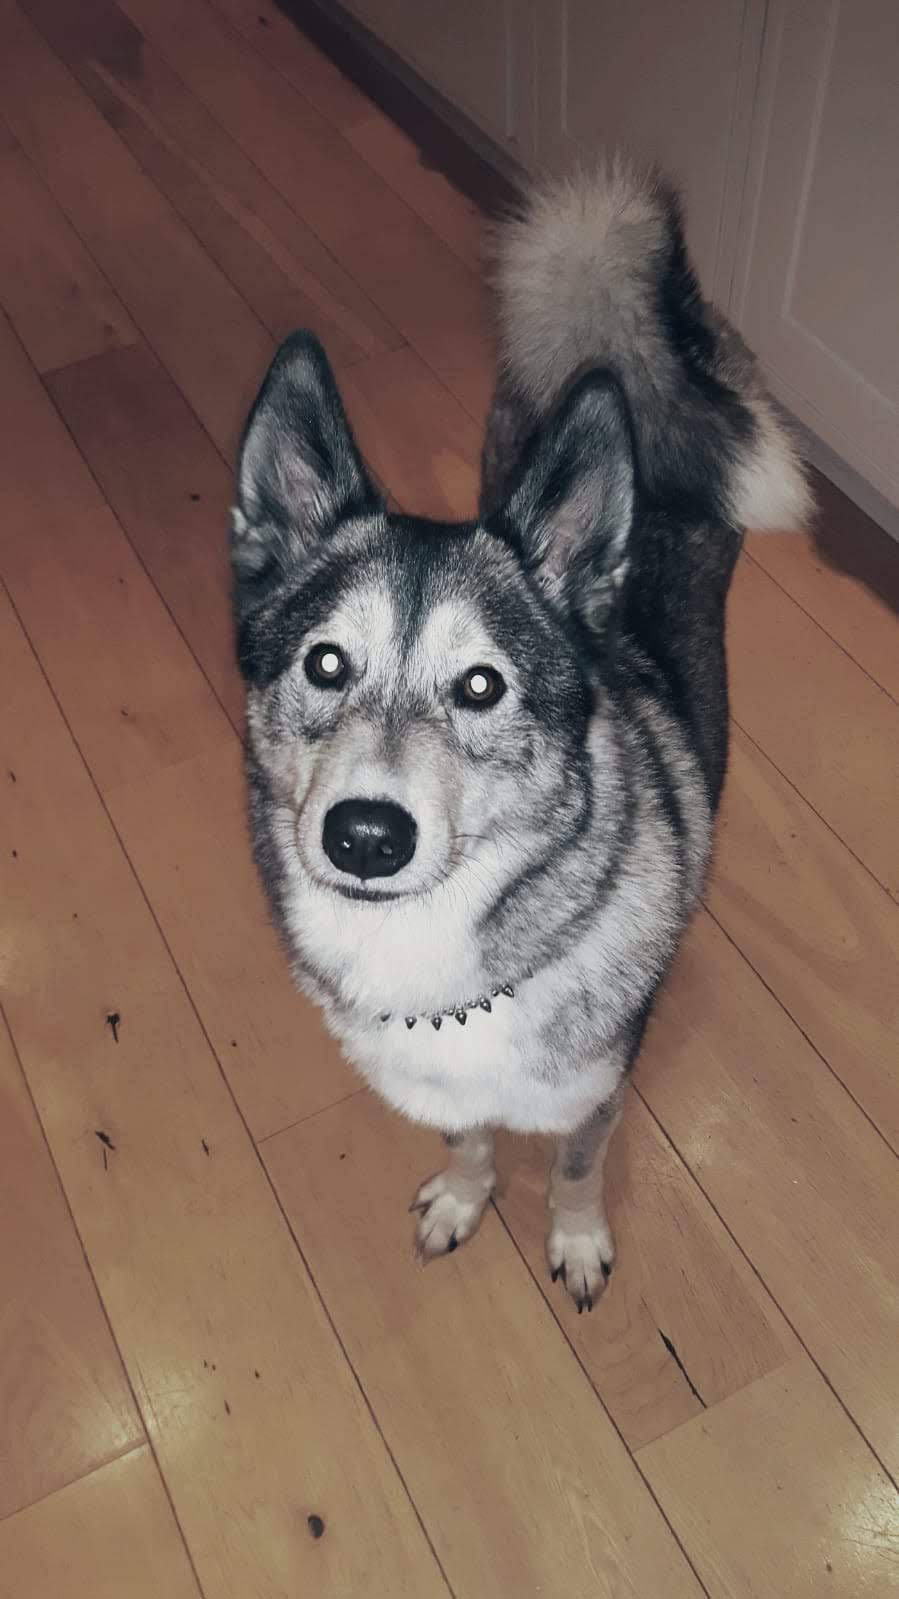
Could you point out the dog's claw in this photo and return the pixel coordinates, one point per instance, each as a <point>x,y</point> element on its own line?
<point>450,1211</point>
<point>585,1249</point>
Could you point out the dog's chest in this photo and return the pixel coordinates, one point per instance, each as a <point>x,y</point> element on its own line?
<point>491,1070</point>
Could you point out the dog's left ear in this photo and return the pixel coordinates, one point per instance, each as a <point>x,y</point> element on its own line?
<point>572,508</point>
<point>299,472</point>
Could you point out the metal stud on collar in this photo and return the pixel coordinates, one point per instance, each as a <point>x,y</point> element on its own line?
<point>459,1012</point>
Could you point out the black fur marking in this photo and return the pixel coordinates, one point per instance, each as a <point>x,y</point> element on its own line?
<point>577,826</point>
<point>673,612</point>
<point>663,783</point>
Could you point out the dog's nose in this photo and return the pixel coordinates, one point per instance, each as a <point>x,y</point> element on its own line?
<point>369,838</point>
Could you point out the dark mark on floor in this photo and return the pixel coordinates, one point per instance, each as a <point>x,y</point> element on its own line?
<point>107,1144</point>
<point>681,1367</point>
<point>255,1374</point>
<point>12,776</point>
<point>316,1526</point>
<point>205,1146</point>
<point>15,855</point>
<point>124,711</point>
<point>195,497</point>
<point>114,1022</point>
<point>227,1408</point>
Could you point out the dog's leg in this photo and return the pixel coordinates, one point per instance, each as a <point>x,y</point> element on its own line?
<point>453,1202</point>
<point>580,1248</point>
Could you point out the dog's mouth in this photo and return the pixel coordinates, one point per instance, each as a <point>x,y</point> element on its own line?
<point>365,896</point>
<point>355,891</point>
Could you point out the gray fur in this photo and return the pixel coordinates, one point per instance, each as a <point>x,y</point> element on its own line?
<point>563,832</point>
<point>578,1151</point>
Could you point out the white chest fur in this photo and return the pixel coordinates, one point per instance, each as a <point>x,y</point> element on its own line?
<point>490,1072</point>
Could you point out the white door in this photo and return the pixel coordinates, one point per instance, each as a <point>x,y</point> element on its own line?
<point>671,80</point>
<point>817,293</point>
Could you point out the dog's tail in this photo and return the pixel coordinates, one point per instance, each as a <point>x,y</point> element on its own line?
<point>593,271</point>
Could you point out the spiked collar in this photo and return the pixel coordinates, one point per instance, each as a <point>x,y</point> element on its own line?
<point>459,1013</point>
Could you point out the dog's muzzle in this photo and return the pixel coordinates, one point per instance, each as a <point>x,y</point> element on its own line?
<point>369,838</point>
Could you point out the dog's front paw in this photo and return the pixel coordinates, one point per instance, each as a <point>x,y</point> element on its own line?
<point>451,1209</point>
<point>582,1253</point>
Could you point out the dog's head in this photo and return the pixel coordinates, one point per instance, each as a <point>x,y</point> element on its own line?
<point>420,693</point>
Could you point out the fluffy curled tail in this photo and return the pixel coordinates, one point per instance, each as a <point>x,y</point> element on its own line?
<point>593,271</point>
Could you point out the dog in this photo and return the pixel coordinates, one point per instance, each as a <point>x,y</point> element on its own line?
<point>484,759</point>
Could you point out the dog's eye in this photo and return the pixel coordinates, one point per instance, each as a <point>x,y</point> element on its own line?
<point>326,666</point>
<point>481,687</point>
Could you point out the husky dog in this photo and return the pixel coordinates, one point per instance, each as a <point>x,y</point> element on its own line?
<point>484,759</point>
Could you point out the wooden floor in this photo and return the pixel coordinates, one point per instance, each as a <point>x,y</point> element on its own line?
<point>220,1371</point>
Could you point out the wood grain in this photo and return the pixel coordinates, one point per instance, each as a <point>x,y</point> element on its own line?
<point>797,1174</point>
<point>863,622</point>
<point>818,929</point>
<point>278,260</point>
<point>282,293</point>
<point>109,1535</point>
<point>197,1269</point>
<point>119,652</point>
<point>480,1399</point>
<point>419,440</point>
<point>391,153</point>
<point>316,78</point>
<point>53,293</point>
<point>438,304</point>
<point>63,1394</point>
<point>170,490</point>
<point>186,833</point>
<point>779,1456</point>
<point>826,726</point>
<point>194,318</point>
<point>684,1321</point>
<point>132,690</point>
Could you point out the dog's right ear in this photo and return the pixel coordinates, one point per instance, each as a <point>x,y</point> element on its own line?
<point>571,510</point>
<point>299,472</point>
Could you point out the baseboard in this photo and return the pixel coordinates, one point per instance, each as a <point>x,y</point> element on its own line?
<point>853,485</point>
<point>450,141</point>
